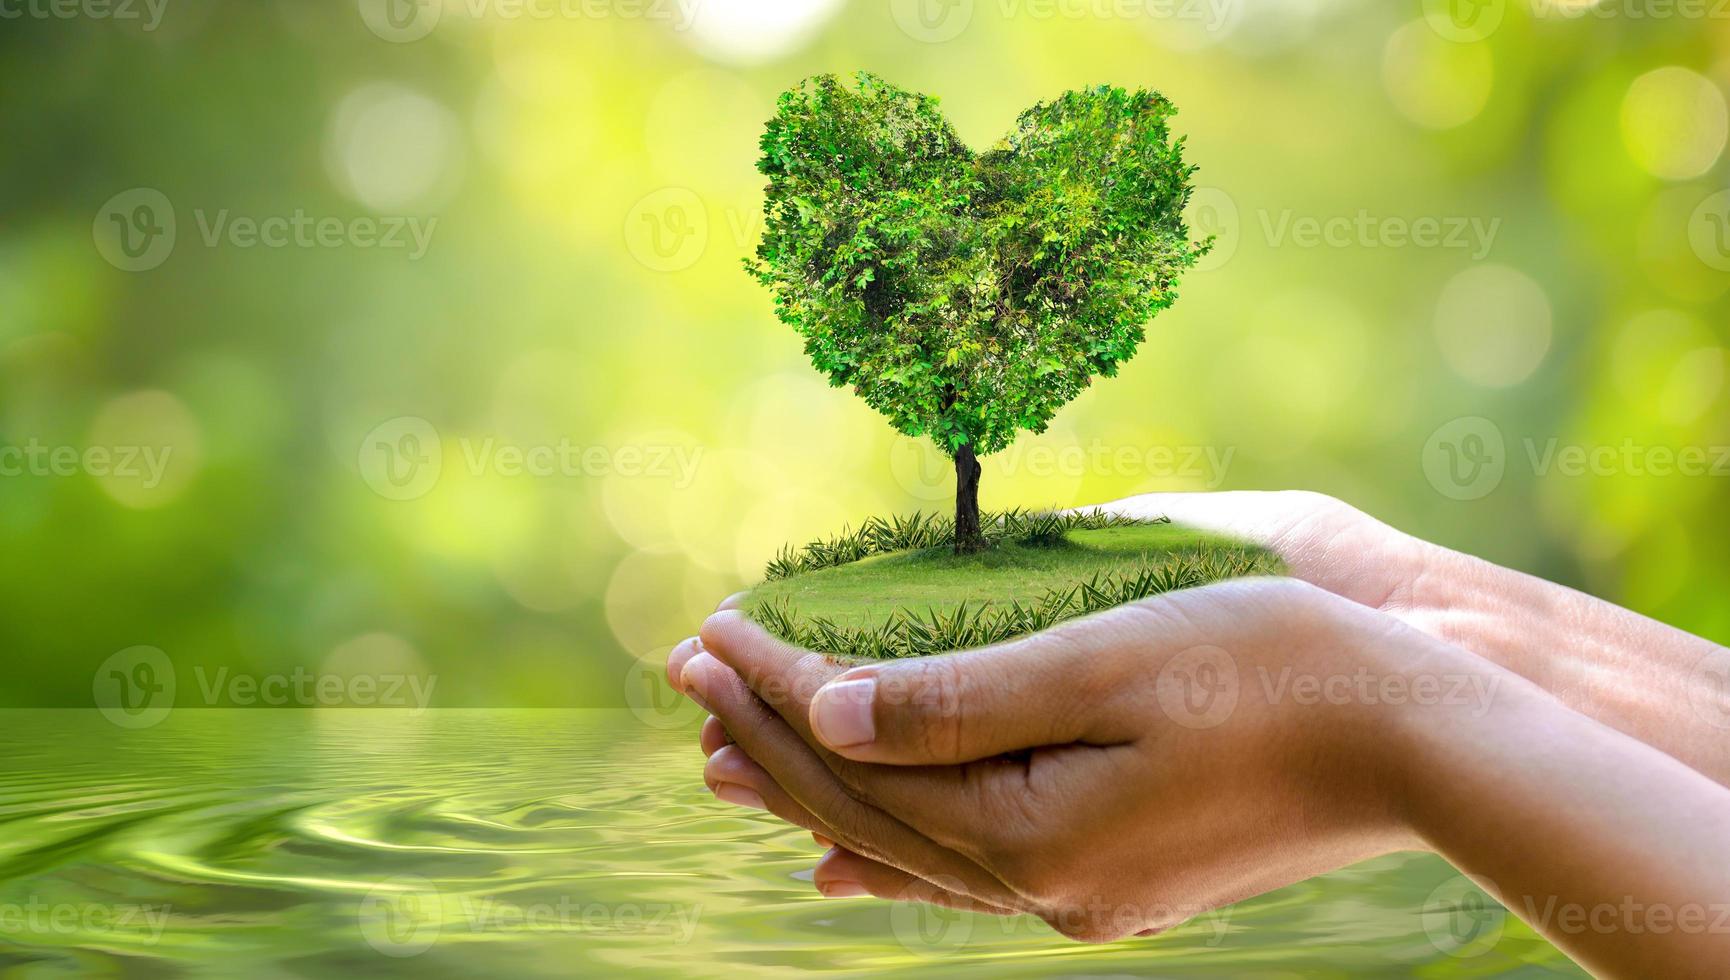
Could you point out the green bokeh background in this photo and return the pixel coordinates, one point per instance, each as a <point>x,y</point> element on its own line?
<point>591,176</point>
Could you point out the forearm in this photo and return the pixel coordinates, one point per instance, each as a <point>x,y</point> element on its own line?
<point>1614,851</point>
<point>1637,675</point>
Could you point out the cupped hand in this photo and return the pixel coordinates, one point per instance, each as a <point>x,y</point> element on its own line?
<point>1114,775</point>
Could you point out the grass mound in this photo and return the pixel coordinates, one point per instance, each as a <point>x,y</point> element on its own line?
<point>894,588</point>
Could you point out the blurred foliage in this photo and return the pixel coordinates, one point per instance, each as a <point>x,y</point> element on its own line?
<point>1418,223</point>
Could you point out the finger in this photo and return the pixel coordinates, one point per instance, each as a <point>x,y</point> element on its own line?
<point>734,601</point>
<point>1056,687</point>
<point>735,779</point>
<point>677,659</point>
<point>843,874</point>
<point>1322,541</point>
<point>794,767</point>
<point>714,736</point>
<point>730,771</point>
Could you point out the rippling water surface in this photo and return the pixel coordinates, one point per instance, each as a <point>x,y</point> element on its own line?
<point>522,843</point>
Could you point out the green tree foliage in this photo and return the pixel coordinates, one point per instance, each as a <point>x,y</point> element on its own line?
<point>965,295</point>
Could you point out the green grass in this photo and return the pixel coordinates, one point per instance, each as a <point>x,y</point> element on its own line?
<point>927,600</point>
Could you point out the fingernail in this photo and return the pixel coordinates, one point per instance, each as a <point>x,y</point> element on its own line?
<point>740,796</point>
<point>699,678</point>
<point>675,673</point>
<point>841,712</point>
<point>821,840</point>
<point>842,889</point>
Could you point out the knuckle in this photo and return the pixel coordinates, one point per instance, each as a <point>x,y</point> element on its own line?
<point>934,711</point>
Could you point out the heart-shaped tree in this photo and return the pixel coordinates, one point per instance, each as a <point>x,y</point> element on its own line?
<point>970,295</point>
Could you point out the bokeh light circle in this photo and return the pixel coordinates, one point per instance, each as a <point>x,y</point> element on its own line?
<point>144,448</point>
<point>390,148</point>
<point>1493,324</point>
<point>1674,123</point>
<point>1433,82</point>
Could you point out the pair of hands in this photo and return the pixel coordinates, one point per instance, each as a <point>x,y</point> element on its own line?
<point>1123,773</point>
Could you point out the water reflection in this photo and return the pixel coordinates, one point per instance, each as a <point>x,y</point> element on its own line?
<point>547,843</point>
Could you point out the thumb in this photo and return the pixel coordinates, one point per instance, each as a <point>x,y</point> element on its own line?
<point>1053,688</point>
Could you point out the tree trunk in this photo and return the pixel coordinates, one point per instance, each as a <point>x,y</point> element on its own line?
<point>968,537</point>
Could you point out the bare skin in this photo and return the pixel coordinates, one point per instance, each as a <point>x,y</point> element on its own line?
<point>1084,829</point>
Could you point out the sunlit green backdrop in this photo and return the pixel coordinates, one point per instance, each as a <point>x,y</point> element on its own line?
<point>1443,245</point>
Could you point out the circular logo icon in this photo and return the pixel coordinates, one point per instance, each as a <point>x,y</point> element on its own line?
<point>1198,688</point>
<point>1466,458</point>
<point>401,459</point>
<point>401,21</point>
<point>1709,689</point>
<point>652,700</point>
<point>1709,231</point>
<point>135,687</point>
<point>932,21</point>
<point>923,927</point>
<point>134,230</point>
<point>400,916</point>
<point>1464,21</point>
<point>668,230</point>
<point>1211,213</point>
<point>921,469</point>
<point>1461,919</point>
